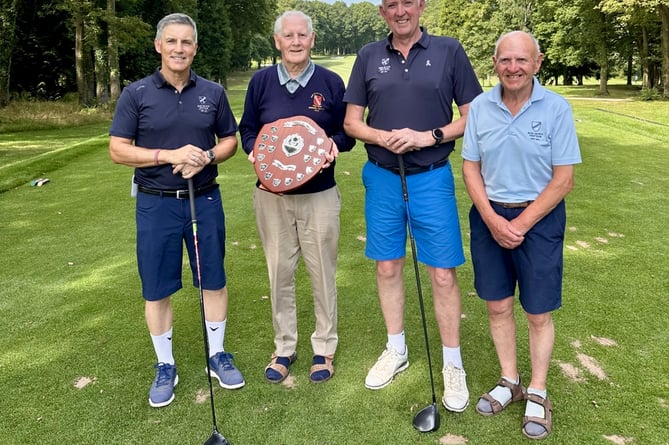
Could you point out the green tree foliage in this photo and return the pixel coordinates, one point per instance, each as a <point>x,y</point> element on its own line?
<point>580,38</point>
<point>7,39</point>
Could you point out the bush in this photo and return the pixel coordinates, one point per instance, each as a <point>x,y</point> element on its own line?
<point>650,94</point>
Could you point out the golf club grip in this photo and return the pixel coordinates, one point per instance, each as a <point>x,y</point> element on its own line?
<point>191,199</point>
<point>400,164</point>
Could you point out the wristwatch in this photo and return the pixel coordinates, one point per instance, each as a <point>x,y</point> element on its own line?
<point>211,155</point>
<point>438,136</point>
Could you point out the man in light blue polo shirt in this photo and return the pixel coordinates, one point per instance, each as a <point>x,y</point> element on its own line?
<point>519,152</point>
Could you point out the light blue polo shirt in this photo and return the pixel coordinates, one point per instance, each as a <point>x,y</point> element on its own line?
<point>517,153</point>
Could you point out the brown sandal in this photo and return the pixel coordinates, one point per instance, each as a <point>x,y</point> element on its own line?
<point>517,393</point>
<point>315,374</point>
<point>545,422</point>
<point>280,369</point>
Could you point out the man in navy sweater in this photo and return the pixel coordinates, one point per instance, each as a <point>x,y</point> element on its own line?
<point>306,220</point>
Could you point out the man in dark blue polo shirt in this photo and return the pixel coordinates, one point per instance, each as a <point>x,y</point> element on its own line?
<point>172,126</point>
<point>408,82</point>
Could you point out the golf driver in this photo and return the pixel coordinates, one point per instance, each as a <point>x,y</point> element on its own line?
<point>427,419</point>
<point>216,438</point>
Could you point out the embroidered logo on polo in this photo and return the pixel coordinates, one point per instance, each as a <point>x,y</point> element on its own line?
<point>385,65</point>
<point>537,133</point>
<point>203,106</point>
<point>317,100</point>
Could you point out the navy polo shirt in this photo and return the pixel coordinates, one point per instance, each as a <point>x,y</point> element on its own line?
<point>417,92</point>
<point>154,114</point>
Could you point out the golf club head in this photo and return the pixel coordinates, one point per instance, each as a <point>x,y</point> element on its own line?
<point>427,419</point>
<point>217,438</point>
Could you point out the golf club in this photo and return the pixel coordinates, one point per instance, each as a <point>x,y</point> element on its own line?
<point>427,419</point>
<point>216,438</point>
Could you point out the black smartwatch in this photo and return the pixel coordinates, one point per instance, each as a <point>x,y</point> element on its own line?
<point>438,136</point>
<point>211,155</point>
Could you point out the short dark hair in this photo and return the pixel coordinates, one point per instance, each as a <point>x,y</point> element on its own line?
<point>176,18</point>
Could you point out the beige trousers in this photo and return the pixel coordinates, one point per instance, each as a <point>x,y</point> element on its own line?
<point>290,225</point>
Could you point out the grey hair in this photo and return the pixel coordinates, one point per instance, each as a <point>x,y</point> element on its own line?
<point>175,19</point>
<point>503,36</point>
<point>278,24</point>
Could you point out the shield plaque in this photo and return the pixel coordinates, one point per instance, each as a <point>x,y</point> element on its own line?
<point>289,152</point>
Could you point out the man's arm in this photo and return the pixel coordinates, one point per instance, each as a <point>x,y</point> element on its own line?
<point>187,158</point>
<point>400,140</point>
<point>557,189</point>
<point>355,126</point>
<point>501,229</point>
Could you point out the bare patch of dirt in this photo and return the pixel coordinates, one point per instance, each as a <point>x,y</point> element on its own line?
<point>616,235</point>
<point>289,382</point>
<point>572,248</point>
<point>201,396</point>
<point>452,439</point>
<point>571,372</point>
<point>572,229</point>
<point>592,366</point>
<point>576,344</point>
<point>583,244</point>
<point>663,403</point>
<point>619,440</point>
<point>82,382</point>
<point>601,240</point>
<point>361,238</point>
<point>604,341</point>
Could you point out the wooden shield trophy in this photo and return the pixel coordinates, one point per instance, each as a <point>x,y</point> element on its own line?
<point>289,152</point>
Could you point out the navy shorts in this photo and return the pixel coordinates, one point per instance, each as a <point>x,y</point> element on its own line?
<point>163,225</point>
<point>434,216</point>
<point>536,265</point>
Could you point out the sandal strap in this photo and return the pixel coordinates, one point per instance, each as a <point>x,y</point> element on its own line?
<point>323,366</point>
<point>518,391</point>
<point>547,420</point>
<point>278,367</point>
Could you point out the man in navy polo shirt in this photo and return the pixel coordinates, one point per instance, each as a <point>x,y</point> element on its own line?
<point>409,82</point>
<point>171,126</point>
<point>305,221</point>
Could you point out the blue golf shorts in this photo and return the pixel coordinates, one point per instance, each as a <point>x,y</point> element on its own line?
<point>164,224</point>
<point>433,209</point>
<point>535,265</point>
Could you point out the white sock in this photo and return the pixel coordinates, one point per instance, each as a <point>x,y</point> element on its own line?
<point>501,393</point>
<point>215,336</point>
<point>398,342</point>
<point>162,344</point>
<point>452,355</point>
<point>534,409</point>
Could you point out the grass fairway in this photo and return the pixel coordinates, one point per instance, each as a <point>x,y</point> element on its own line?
<point>75,356</point>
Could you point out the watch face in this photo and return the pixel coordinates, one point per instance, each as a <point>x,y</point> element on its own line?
<point>211,154</point>
<point>438,135</point>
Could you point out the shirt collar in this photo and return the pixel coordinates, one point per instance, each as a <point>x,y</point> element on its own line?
<point>538,93</point>
<point>302,79</point>
<point>423,41</point>
<point>160,82</point>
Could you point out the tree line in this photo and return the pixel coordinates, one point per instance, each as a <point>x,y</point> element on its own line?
<point>49,48</point>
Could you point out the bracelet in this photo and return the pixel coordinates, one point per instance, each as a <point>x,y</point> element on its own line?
<point>155,157</point>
